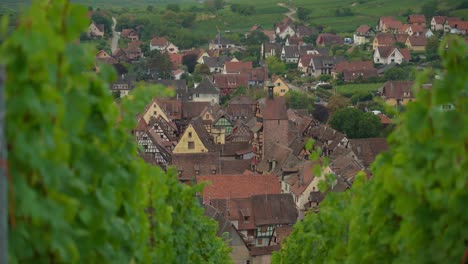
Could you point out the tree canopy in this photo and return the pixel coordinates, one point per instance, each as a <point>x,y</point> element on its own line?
<point>79,192</point>
<point>413,210</point>
<point>355,123</point>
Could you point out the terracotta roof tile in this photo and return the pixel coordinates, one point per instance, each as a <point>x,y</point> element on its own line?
<point>238,186</point>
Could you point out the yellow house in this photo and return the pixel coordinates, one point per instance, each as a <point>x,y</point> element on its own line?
<point>153,109</point>
<point>194,140</point>
<point>280,87</point>
<point>416,43</point>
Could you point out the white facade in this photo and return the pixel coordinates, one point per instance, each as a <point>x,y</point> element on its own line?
<point>395,56</point>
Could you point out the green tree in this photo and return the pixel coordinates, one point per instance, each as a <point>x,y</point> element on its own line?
<point>413,208</point>
<point>79,191</point>
<point>275,66</point>
<point>150,8</point>
<point>156,65</point>
<point>303,13</point>
<point>397,73</point>
<point>355,123</point>
<point>431,48</point>
<point>256,37</point>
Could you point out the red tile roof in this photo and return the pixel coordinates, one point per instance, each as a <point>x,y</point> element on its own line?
<point>353,65</point>
<point>417,40</point>
<point>176,60</point>
<point>238,66</point>
<point>385,38</point>
<point>440,19</point>
<point>238,186</point>
<point>384,119</point>
<point>159,41</point>
<point>363,29</point>
<point>416,19</point>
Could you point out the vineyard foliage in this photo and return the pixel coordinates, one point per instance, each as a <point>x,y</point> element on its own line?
<point>413,210</point>
<point>78,191</point>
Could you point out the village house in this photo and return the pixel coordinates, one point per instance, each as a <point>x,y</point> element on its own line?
<point>416,43</point>
<point>103,56</point>
<point>367,149</point>
<point>221,43</point>
<point>228,83</point>
<point>354,70</point>
<point>238,186</point>
<point>305,31</point>
<point>285,28</point>
<point>237,67</point>
<point>258,76</point>
<point>95,30</point>
<point>216,64</point>
<point>294,41</point>
<point>300,184</point>
<point>195,139</point>
<point>363,34</point>
<point>304,62</point>
<point>163,45</point>
<point>240,253</point>
<point>327,39</point>
<point>457,27</point>
<point>191,165</point>
<point>387,39</point>
<point>450,23</point>
<point>206,91</point>
<point>387,55</point>
<point>280,87</point>
<point>123,85</point>
<point>290,54</point>
<point>271,49</point>
<point>241,107</point>
<point>130,33</point>
<point>257,216</point>
<point>397,92</point>
<point>416,19</point>
<point>388,24</point>
<point>323,64</point>
<point>153,148</point>
<point>437,23</point>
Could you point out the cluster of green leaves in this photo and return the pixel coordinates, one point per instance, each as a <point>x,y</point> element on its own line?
<point>156,65</point>
<point>275,65</point>
<point>414,208</point>
<point>356,123</point>
<point>80,194</point>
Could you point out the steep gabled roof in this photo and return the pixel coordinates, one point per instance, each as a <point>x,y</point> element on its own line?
<point>363,29</point>
<point>272,209</point>
<point>206,86</point>
<point>159,42</point>
<point>416,19</point>
<point>417,41</point>
<point>397,89</point>
<point>366,149</point>
<point>439,19</point>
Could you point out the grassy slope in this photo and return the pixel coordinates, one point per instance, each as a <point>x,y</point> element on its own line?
<point>354,88</point>
<point>322,11</point>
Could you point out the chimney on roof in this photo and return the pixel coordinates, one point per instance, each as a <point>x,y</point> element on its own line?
<point>270,90</point>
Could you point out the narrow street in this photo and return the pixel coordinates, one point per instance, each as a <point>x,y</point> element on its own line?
<point>115,36</point>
